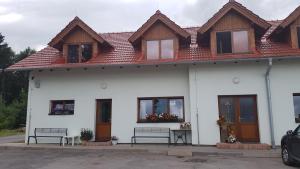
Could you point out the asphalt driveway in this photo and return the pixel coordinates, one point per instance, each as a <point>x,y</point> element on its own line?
<point>12,139</point>
<point>97,159</point>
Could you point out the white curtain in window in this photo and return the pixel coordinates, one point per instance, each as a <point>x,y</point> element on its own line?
<point>152,50</point>
<point>167,49</point>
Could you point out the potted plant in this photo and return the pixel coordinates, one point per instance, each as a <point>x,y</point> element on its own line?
<point>114,140</point>
<point>86,135</point>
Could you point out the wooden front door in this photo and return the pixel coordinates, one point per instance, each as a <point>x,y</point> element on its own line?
<point>241,113</point>
<point>103,120</point>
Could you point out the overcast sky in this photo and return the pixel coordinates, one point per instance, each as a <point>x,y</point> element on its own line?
<point>35,22</point>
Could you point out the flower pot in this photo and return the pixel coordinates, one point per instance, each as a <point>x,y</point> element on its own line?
<point>114,142</point>
<point>84,142</point>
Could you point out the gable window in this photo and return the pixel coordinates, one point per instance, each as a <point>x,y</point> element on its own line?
<point>224,42</point>
<point>298,35</point>
<point>161,109</point>
<point>79,53</point>
<point>167,50</point>
<point>73,53</point>
<point>86,52</point>
<point>296,98</point>
<point>152,50</point>
<point>62,107</point>
<point>232,42</point>
<point>160,49</point>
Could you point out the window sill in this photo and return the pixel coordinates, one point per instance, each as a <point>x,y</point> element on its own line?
<point>229,54</point>
<point>144,121</point>
<point>60,114</point>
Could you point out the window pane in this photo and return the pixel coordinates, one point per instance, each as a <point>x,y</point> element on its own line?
<point>298,33</point>
<point>224,42</point>
<point>152,50</point>
<point>227,109</point>
<point>247,109</point>
<point>160,106</point>
<point>73,54</point>
<point>145,108</point>
<point>297,106</point>
<point>176,107</point>
<point>167,50</point>
<point>105,112</point>
<point>240,42</point>
<point>86,52</point>
<point>62,107</point>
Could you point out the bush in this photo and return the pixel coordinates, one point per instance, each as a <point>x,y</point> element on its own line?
<point>86,134</point>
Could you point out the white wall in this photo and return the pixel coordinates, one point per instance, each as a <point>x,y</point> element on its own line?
<point>124,86</point>
<point>214,80</point>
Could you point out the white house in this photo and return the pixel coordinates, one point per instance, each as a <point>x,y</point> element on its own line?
<point>237,66</point>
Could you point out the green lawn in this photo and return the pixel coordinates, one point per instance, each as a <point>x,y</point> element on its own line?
<point>6,132</point>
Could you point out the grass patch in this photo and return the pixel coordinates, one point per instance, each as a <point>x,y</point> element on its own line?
<point>6,132</point>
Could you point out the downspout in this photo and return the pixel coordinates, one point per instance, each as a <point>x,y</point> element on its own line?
<point>197,113</point>
<point>269,99</point>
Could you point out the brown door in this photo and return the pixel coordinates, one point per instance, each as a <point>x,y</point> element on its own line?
<point>241,113</point>
<point>103,120</point>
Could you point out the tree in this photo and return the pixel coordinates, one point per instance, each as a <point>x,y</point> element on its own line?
<point>6,55</point>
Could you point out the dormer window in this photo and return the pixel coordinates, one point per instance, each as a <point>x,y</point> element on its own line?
<point>79,53</point>
<point>160,49</point>
<point>232,42</point>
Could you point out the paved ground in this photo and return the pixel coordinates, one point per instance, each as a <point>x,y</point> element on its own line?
<point>12,139</point>
<point>92,159</point>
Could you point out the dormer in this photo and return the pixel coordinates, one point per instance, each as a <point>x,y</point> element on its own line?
<point>78,42</point>
<point>288,31</point>
<point>159,38</point>
<point>232,30</point>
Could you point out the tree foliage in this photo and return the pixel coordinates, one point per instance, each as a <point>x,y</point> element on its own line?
<point>13,88</point>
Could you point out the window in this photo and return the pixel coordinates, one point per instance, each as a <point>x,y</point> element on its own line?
<point>160,49</point>
<point>167,51</point>
<point>240,42</point>
<point>79,53</point>
<point>73,55</point>
<point>224,42</point>
<point>232,42</point>
<point>152,50</point>
<point>298,35</point>
<point>62,107</point>
<point>296,98</point>
<point>86,52</point>
<point>161,109</point>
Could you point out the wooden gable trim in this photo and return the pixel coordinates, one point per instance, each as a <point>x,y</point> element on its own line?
<point>291,18</point>
<point>77,22</point>
<point>286,22</point>
<point>158,16</point>
<point>233,5</point>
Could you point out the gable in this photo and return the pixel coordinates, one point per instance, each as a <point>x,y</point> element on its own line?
<point>232,20</point>
<point>238,8</point>
<point>76,23</point>
<point>158,31</point>
<point>154,19</point>
<point>78,35</point>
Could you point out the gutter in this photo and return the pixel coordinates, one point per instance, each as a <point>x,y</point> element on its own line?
<point>75,66</point>
<point>269,99</point>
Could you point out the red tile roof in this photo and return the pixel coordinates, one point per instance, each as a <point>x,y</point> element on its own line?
<point>123,53</point>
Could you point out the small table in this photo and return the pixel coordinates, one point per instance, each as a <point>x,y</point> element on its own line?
<point>70,137</point>
<point>179,134</point>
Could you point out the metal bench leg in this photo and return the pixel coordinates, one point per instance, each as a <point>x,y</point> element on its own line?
<point>60,141</point>
<point>28,140</point>
<point>35,140</point>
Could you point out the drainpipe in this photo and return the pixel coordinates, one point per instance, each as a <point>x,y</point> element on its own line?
<point>269,99</point>
<point>197,114</point>
<point>29,107</point>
